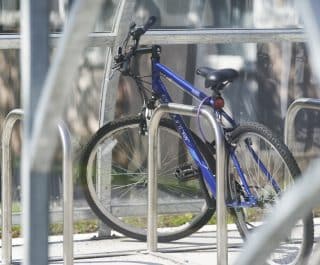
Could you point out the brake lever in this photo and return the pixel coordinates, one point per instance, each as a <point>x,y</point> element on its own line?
<point>112,72</point>
<point>114,68</point>
<point>123,59</point>
<point>132,25</point>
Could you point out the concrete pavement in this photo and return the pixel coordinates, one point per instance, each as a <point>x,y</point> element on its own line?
<point>197,249</point>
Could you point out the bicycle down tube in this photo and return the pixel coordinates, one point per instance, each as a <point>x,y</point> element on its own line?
<point>160,89</point>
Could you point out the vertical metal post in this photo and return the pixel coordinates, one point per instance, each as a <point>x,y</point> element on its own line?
<point>222,239</point>
<point>6,185</point>
<point>152,238</point>
<point>43,114</point>
<point>67,195</point>
<point>107,104</point>
<point>110,87</point>
<point>34,65</point>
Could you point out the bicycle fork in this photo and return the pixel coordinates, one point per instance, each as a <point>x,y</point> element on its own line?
<point>249,199</point>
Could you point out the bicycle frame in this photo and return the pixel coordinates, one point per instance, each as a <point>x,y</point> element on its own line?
<point>160,89</point>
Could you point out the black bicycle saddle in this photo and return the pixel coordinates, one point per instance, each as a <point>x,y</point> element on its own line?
<point>215,78</point>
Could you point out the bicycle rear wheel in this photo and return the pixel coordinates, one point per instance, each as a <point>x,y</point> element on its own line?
<point>184,205</point>
<point>252,139</point>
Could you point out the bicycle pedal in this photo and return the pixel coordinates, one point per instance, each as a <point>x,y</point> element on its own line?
<point>186,173</point>
<point>238,205</point>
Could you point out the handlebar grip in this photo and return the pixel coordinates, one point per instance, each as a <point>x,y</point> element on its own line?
<point>125,67</point>
<point>149,23</point>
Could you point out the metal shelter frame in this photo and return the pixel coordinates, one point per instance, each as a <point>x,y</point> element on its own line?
<point>292,207</point>
<point>44,94</point>
<point>55,87</point>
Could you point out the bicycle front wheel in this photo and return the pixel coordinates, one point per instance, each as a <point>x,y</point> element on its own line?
<point>269,169</point>
<point>115,183</point>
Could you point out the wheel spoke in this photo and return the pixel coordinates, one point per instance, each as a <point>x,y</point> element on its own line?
<point>129,181</point>
<point>270,152</point>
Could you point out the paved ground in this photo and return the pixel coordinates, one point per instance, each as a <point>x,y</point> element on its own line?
<point>197,249</point>
<point>200,248</point>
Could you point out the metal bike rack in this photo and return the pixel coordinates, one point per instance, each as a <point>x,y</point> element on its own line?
<point>10,120</point>
<point>67,194</point>
<point>287,212</point>
<point>173,108</point>
<point>294,108</point>
<point>291,207</point>
<point>6,185</point>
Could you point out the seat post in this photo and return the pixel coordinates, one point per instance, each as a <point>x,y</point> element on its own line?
<point>216,91</point>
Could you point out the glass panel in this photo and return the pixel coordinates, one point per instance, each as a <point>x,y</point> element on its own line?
<point>272,76</point>
<point>107,17</point>
<point>10,15</point>
<point>178,14</point>
<point>81,114</point>
<point>218,13</point>
<point>59,14</point>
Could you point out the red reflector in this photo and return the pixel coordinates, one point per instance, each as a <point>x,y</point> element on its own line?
<point>218,103</point>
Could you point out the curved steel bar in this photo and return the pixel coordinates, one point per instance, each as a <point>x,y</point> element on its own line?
<point>315,258</point>
<point>67,194</point>
<point>291,207</point>
<point>6,185</point>
<point>294,108</point>
<point>152,176</point>
<point>285,215</point>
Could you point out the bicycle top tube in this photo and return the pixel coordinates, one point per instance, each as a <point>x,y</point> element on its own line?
<point>185,85</point>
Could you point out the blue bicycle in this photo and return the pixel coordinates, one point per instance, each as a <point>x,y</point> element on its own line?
<point>260,166</point>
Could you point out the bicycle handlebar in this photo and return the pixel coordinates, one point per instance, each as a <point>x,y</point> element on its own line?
<point>136,33</point>
<point>122,59</point>
<point>149,23</point>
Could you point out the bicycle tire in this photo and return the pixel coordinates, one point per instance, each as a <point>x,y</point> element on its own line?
<point>285,172</point>
<point>114,130</point>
